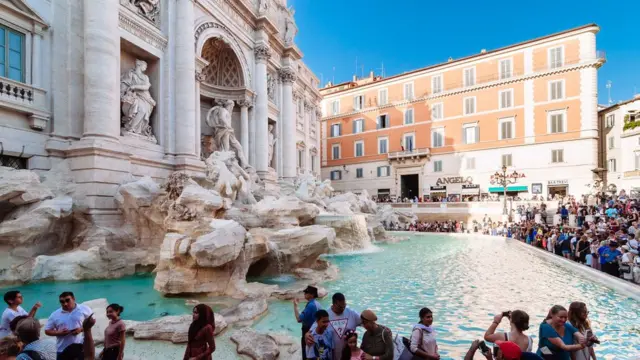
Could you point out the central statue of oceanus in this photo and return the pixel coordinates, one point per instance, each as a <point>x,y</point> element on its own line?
<point>224,139</point>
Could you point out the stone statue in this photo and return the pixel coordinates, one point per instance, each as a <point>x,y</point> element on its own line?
<point>137,103</point>
<point>272,144</point>
<point>224,139</point>
<point>323,189</point>
<point>290,31</point>
<point>271,86</point>
<point>148,8</point>
<point>263,7</point>
<point>228,177</point>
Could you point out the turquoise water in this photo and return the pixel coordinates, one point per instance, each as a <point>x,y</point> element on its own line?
<point>463,280</point>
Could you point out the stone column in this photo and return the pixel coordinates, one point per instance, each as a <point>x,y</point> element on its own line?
<point>288,117</point>
<point>101,69</point>
<point>252,136</point>
<point>262,54</point>
<point>200,77</point>
<point>36,71</point>
<point>244,124</point>
<point>185,86</point>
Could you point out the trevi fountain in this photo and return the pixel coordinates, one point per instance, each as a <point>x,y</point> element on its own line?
<point>175,138</point>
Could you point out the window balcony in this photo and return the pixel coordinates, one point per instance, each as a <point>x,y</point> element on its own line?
<point>414,153</point>
<point>25,99</point>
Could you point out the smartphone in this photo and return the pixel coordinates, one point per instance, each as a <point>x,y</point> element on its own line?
<point>507,314</point>
<point>483,347</point>
<point>545,351</point>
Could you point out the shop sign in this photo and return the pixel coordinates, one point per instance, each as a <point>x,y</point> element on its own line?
<point>497,180</point>
<point>454,180</point>
<point>558,182</point>
<point>471,186</point>
<point>438,188</point>
<point>536,188</point>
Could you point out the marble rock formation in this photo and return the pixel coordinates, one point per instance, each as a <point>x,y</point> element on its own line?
<point>255,345</point>
<point>351,231</point>
<point>174,328</point>
<point>246,311</point>
<point>287,211</point>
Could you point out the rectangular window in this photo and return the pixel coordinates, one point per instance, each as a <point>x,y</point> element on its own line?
<point>611,143</point>
<point>335,152</point>
<point>506,160</point>
<point>506,129</point>
<point>12,55</point>
<point>383,121</point>
<point>506,99</point>
<point>505,69</point>
<point>408,116</point>
<point>313,163</point>
<point>437,166</point>
<point>359,148</point>
<point>469,105</point>
<point>611,165</point>
<point>300,159</point>
<point>336,175</point>
<point>557,156</point>
<point>610,120</point>
<point>470,133</point>
<point>408,91</point>
<point>471,163</point>
<point>556,90</point>
<point>358,102</point>
<point>383,97</point>
<point>336,130</point>
<point>358,126</point>
<point>408,142</point>
<point>556,122</point>
<point>556,58</point>
<point>437,138</point>
<point>383,171</point>
<point>359,173</point>
<point>383,145</point>
<point>637,161</point>
<point>335,107</point>
<point>436,111</point>
<point>469,77</point>
<point>436,84</point>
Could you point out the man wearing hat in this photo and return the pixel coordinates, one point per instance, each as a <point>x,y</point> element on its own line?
<point>308,316</point>
<point>377,342</point>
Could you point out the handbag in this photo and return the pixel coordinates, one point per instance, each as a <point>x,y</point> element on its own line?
<point>406,353</point>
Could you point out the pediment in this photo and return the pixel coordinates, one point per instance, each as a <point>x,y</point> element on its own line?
<point>21,8</point>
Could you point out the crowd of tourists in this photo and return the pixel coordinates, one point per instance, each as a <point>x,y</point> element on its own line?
<point>70,326</point>
<point>330,334</point>
<point>604,235</point>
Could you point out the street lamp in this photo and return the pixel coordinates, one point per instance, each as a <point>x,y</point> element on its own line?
<point>503,179</point>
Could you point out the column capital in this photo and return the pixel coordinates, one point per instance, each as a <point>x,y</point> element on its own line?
<point>200,76</point>
<point>308,105</point>
<point>318,113</point>
<point>287,75</point>
<point>262,52</point>
<point>244,103</point>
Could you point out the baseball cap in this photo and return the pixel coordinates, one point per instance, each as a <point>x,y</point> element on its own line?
<point>311,290</point>
<point>509,349</point>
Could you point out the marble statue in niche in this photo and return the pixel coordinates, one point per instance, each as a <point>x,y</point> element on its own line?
<point>272,144</point>
<point>137,103</point>
<point>224,139</point>
<point>271,87</point>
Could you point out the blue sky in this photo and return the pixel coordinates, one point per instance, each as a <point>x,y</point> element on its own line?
<point>410,34</point>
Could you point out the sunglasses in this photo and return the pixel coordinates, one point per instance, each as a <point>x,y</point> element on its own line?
<point>65,301</point>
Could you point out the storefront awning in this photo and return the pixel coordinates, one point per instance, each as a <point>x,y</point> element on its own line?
<point>515,188</point>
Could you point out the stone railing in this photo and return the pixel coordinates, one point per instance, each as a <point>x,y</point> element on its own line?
<point>408,153</point>
<point>26,99</point>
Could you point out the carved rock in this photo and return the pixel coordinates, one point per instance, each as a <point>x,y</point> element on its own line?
<point>255,345</point>
<point>171,328</point>
<point>286,211</point>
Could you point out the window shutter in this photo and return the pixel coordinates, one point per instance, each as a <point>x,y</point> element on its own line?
<point>378,171</point>
<point>388,170</point>
<point>477,134</point>
<point>354,126</point>
<point>339,129</point>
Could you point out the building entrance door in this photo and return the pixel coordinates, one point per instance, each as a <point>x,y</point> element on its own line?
<point>409,186</point>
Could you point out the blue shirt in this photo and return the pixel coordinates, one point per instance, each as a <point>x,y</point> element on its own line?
<point>564,212</point>
<point>611,212</point>
<point>548,332</point>
<point>609,255</point>
<point>308,315</point>
<point>322,348</point>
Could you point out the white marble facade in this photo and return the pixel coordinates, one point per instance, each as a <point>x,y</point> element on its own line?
<point>122,88</point>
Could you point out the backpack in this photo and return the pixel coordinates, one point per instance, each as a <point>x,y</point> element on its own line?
<point>34,355</point>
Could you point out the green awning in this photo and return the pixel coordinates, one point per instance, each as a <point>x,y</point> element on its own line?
<point>500,189</point>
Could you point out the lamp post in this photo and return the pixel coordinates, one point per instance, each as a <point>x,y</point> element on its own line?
<point>503,179</point>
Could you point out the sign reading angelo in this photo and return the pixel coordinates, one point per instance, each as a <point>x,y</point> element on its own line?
<point>454,180</point>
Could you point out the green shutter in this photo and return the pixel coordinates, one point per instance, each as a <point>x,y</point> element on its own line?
<point>379,171</point>
<point>3,51</point>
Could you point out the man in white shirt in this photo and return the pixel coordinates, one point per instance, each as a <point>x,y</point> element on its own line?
<point>341,319</point>
<point>66,325</point>
<point>14,299</point>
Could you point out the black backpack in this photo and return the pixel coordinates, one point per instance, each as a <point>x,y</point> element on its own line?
<point>34,355</point>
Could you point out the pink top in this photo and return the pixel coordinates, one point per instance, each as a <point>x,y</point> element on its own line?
<point>355,355</point>
<point>112,333</point>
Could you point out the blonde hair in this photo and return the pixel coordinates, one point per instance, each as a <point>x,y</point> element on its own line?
<point>9,346</point>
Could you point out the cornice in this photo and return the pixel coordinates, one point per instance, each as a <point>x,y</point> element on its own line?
<point>457,91</point>
<point>131,22</point>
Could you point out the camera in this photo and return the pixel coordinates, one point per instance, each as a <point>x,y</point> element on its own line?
<point>483,347</point>
<point>507,314</point>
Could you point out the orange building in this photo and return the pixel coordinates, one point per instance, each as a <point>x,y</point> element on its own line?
<point>445,129</point>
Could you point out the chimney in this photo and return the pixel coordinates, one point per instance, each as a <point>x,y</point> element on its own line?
<point>355,77</point>
<point>483,51</point>
<point>450,59</point>
<point>371,74</point>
